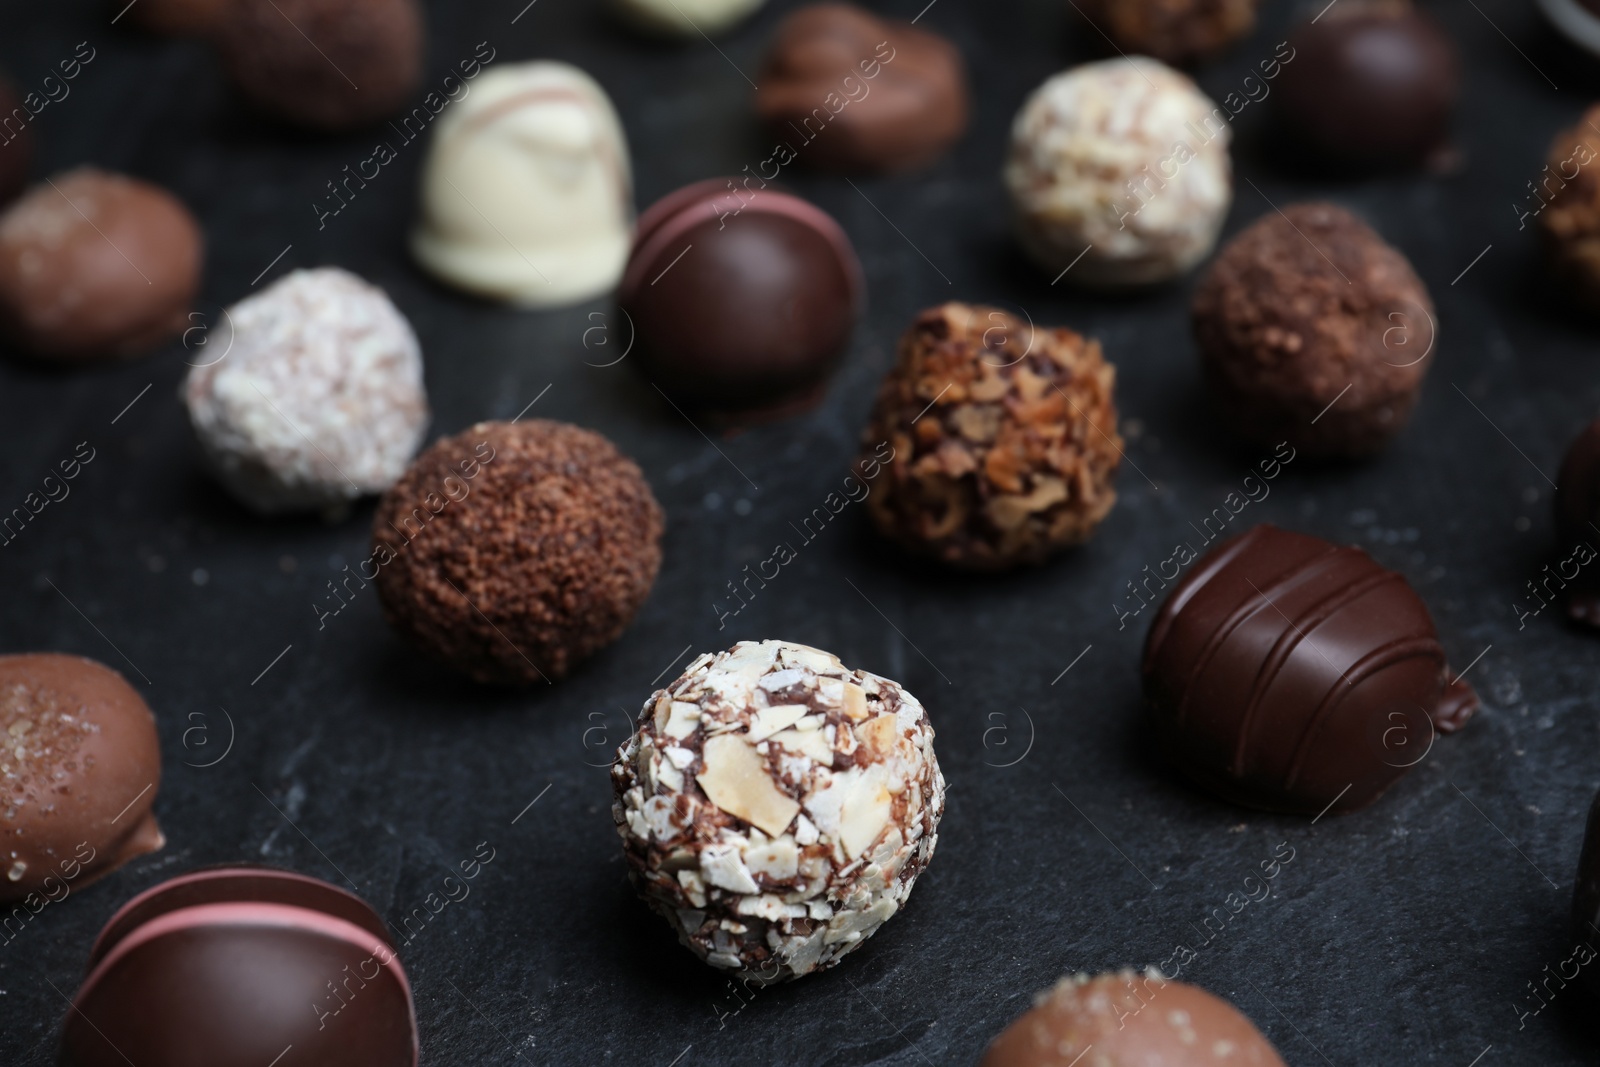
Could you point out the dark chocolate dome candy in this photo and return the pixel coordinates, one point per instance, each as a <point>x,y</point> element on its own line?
<point>243,967</point>
<point>1290,674</point>
<point>742,301</point>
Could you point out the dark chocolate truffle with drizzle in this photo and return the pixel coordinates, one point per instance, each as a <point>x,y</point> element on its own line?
<point>1293,675</point>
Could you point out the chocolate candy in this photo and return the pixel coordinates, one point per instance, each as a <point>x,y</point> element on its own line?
<point>846,90</point>
<point>743,298</point>
<point>96,265</point>
<point>1577,508</point>
<point>776,807</point>
<point>1565,199</point>
<point>514,550</point>
<point>243,967</point>
<point>1289,674</point>
<point>1372,84</point>
<point>1130,1020</point>
<point>16,143</point>
<point>1314,331</point>
<point>527,195</point>
<point>324,64</point>
<point>1173,31</point>
<point>80,767</point>
<point>993,443</point>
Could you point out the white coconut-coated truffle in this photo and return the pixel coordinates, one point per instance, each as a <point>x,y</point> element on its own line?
<point>1125,164</point>
<point>776,807</point>
<point>312,395</point>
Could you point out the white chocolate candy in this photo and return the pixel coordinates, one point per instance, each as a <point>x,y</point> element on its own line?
<point>1125,163</point>
<point>776,807</point>
<point>684,18</point>
<point>309,394</point>
<point>527,194</point>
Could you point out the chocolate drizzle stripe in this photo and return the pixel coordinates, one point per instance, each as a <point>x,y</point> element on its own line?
<point>1209,567</point>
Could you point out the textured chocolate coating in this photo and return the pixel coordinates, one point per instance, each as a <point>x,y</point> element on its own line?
<point>512,551</point>
<point>1577,508</point>
<point>177,18</point>
<point>1566,200</point>
<point>1289,674</point>
<point>742,302</point>
<point>237,967</point>
<point>850,91</point>
<point>16,144</point>
<point>1130,1020</point>
<point>80,767</point>
<point>1004,440</point>
<point>96,265</point>
<point>1173,31</point>
<point>1373,84</point>
<point>1301,307</point>
<point>325,64</point>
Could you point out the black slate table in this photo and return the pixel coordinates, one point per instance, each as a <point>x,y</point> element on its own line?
<point>1407,933</point>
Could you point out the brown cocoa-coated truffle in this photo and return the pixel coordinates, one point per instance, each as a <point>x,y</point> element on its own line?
<point>326,64</point>
<point>847,90</point>
<point>1174,31</point>
<point>514,550</point>
<point>1566,201</point>
<point>997,440</point>
<point>16,142</point>
<point>1131,1020</point>
<point>96,265</point>
<point>80,767</point>
<point>1314,331</point>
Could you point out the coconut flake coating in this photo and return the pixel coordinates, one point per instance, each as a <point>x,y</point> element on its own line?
<point>312,395</point>
<point>1125,163</point>
<point>776,807</point>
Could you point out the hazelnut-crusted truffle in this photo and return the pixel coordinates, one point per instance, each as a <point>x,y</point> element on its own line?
<point>776,807</point>
<point>1174,31</point>
<point>1131,1020</point>
<point>315,397</point>
<point>1004,439</point>
<point>1314,331</point>
<point>1119,173</point>
<point>514,550</point>
<point>1567,204</point>
<point>325,64</point>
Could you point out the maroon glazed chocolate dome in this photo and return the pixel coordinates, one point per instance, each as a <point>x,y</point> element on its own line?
<point>743,302</point>
<point>513,551</point>
<point>326,64</point>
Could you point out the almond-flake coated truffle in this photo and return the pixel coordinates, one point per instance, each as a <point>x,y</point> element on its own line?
<point>776,807</point>
<point>1004,436</point>
<point>514,550</point>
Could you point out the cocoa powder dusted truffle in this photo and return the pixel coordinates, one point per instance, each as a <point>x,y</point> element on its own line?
<point>1314,331</point>
<point>1002,437</point>
<point>1566,201</point>
<point>1131,1020</point>
<point>1173,31</point>
<point>325,64</point>
<point>514,550</point>
<point>776,807</point>
<point>80,767</point>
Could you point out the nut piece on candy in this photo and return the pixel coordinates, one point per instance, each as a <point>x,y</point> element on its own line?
<point>310,395</point>
<point>1570,219</point>
<point>1130,1020</point>
<point>1173,31</point>
<point>776,807</point>
<point>688,19</point>
<point>1314,331</point>
<point>1003,436</point>
<point>1125,164</point>
<point>850,91</point>
<point>527,193</point>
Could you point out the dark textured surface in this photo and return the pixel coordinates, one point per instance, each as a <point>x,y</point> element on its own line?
<point>1406,933</point>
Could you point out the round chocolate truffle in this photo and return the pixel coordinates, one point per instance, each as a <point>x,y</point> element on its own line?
<point>690,19</point>
<point>1173,31</point>
<point>316,398</point>
<point>1292,675</point>
<point>527,195</point>
<point>80,767</point>
<point>776,807</point>
<point>1314,331</point>
<point>177,18</point>
<point>1119,174</point>
<point>96,265</point>
<point>993,443</point>
<point>846,90</point>
<point>514,550</point>
<point>236,966</point>
<point>1131,1020</point>
<point>1372,84</point>
<point>16,143</point>
<point>742,298</point>
<point>1577,507</point>
<point>1566,200</point>
<point>324,64</point>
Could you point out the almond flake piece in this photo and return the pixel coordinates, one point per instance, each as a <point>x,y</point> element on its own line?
<point>877,735</point>
<point>814,658</point>
<point>735,778</point>
<point>778,860</point>
<point>682,720</point>
<point>722,866</point>
<point>855,701</point>
<point>812,744</point>
<point>865,811</point>
<point>782,679</point>
<point>769,721</point>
